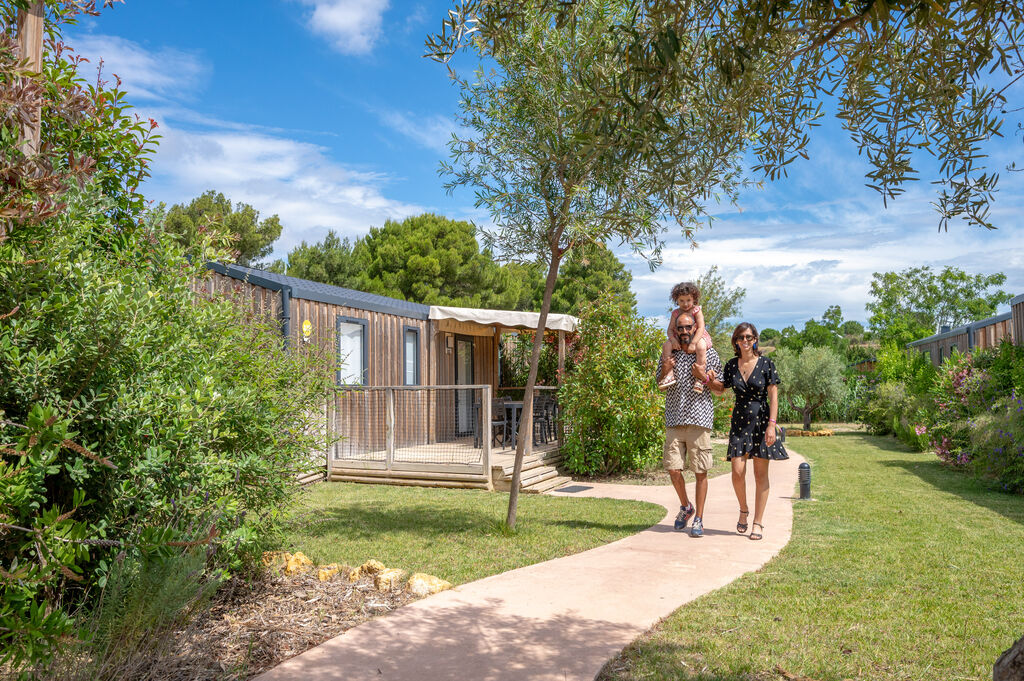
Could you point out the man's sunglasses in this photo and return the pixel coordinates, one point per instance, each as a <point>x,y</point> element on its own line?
<point>684,327</point>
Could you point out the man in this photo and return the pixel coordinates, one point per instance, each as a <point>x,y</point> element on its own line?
<point>689,417</point>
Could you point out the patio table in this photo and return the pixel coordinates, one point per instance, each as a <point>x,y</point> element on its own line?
<point>514,409</point>
<point>513,412</point>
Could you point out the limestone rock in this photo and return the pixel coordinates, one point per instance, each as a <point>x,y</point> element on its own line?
<point>325,572</point>
<point>388,579</point>
<point>296,563</point>
<point>424,585</point>
<point>372,567</point>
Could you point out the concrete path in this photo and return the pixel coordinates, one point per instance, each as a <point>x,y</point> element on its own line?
<point>565,618</point>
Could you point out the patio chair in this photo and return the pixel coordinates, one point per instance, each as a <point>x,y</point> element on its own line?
<point>540,419</point>
<point>499,420</point>
<point>551,414</point>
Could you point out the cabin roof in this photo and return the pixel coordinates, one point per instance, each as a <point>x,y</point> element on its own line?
<point>324,293</point>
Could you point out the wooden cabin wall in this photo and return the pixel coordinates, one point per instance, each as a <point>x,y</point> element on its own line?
<point>945,345</point>
<point>361,416</point>
<point>257,298</point>
<point>1017,323</point>
<point>991,335</point>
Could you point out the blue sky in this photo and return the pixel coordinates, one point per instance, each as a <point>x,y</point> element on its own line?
<point>325,113</point>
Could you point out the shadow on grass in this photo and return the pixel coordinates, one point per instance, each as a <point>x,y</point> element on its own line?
<point>425,520</point>
<point>667,660</point>
<point>367,521</point>
<point>931,470</point>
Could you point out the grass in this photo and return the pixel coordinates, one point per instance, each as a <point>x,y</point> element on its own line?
<point>458,535</point>
<point>900,570</point>
<point>659,476</point>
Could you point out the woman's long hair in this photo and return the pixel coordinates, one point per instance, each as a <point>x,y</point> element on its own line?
<point>740,329</point>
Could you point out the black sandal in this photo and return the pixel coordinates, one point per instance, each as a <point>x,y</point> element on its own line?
<point>742,527</point>
<point>757,536</point>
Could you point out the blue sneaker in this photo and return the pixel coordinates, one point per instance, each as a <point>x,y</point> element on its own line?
<point>698,527</point>
<point>685,512</point>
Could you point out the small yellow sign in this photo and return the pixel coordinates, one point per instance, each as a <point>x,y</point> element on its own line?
<point>307,329</point>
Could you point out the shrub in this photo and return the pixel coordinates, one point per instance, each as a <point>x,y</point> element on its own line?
<point>997,444</point>
<point>810,379</point>
<point>516,350</point>
<point>909,367</point>
<point>611,402</point>
<point>723,412</point>
<point>132,415</point>
<point>129,403</point>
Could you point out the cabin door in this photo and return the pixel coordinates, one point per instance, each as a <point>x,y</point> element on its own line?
<point>463,376</point>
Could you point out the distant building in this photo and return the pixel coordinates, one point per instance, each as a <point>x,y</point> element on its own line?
<point>987,333</point>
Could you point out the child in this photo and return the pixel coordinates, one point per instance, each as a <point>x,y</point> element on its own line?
<point>685,295</point>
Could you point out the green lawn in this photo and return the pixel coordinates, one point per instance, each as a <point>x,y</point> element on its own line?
<point>458,535</point>
<point>900,569</point>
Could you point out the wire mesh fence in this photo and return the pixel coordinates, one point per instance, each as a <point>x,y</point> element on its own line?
<point>412,427</point>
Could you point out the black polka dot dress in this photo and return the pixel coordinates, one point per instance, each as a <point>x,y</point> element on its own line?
<point>752,411</point>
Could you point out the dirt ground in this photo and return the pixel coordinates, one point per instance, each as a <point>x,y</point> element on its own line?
<point>255,626</point>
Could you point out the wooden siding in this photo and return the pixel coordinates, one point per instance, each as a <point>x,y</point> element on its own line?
<point>991,335</point>
<point>940,348</point>
<point>259,299</point>
<point>1017,323</point>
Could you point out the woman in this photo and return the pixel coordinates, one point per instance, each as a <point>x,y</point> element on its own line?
<point>752,433</point>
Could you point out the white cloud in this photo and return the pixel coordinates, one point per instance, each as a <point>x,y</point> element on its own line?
<point>793,269</point>
<point>430,131</point>
<point>295,180</point>
<point>352,26</point>
<point>148,76</point>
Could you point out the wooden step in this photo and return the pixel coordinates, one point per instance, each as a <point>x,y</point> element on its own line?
<point>409,481</point>
<point>548,485</point>
<point>531,477</point>
<point>537,475</point>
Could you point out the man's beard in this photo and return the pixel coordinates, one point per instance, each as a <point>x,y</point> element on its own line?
<point>684,339</point>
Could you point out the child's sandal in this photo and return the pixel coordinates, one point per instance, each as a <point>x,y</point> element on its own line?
<point>757,536</point>
<point>742,527</point>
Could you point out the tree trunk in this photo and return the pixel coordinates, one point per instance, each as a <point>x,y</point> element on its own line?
<point>1010,665</point>
<point>807,417</point>
<point>526,422</point>
<point>30,47</point>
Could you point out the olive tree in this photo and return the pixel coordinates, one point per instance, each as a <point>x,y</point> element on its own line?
<point>810,378</point>
<point>539,158</point>
<point>908,80</point>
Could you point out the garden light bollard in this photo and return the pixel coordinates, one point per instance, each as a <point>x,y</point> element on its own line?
<point>804,476</point>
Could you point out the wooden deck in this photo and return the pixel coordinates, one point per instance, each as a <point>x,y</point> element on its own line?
<point>451,464</point>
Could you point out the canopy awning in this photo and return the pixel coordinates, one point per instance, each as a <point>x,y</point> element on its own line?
<point>506,318</point>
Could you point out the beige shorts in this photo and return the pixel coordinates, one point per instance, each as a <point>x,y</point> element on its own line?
<point>688,448</point>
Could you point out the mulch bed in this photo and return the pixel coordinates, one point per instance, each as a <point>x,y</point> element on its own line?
<point>254,626</point>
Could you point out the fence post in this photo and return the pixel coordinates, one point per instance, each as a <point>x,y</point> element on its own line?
<point>330,427</point>
<point>486,431</point>
<point>389,447</point>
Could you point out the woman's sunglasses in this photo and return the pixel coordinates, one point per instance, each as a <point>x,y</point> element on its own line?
<point>746,337</point>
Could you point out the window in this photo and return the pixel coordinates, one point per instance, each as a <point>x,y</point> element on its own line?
<point>351,351</point>
<point>411,366</point>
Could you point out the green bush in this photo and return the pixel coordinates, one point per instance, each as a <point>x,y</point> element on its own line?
<point>129,403</point>
<point>133,416</point>
<point>611,405</point>
<point>996,447</point>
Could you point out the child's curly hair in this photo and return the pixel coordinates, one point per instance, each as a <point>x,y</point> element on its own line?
<point>683,289</point>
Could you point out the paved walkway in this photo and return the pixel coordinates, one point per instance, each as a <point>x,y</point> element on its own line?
<point>565,618</point>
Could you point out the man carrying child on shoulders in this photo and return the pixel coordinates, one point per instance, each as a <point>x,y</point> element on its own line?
<point>689,416</point>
